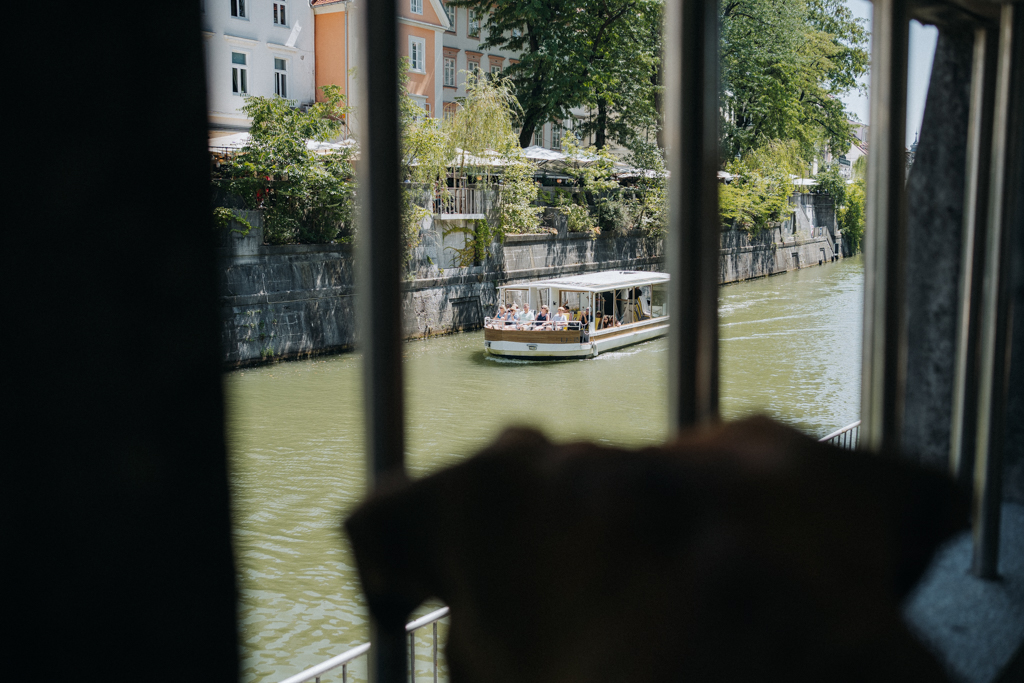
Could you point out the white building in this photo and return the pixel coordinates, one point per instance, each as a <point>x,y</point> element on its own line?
<point>462,54</point>
<point>255,47</point>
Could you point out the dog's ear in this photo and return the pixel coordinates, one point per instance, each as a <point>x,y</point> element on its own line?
<point>398,553</point>
<point>385,541</point>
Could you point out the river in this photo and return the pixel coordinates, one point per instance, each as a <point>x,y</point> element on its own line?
<point>790,347</point>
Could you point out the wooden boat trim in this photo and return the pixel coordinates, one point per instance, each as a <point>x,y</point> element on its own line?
<point>532,336</point>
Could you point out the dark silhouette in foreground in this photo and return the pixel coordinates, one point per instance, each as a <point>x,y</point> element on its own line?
<point>742,552</point>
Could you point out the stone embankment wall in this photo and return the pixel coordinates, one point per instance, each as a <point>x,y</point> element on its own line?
<point>298,300</point>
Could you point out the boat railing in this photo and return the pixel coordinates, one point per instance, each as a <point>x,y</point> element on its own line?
<point>315,672</point>
<point>847,437</point>
<point>533,325</point>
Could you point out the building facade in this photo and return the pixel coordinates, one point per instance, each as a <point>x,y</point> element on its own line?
<point>255,47</point>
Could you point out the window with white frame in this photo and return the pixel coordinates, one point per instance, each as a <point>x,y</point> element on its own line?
<point>281,77</point>
<point>556,136</point>
<point>416,6</point>
<point>474,24</point>
<point>473,68</point>
<point>449,71</point>
<point>417,54</point>
<point>538,136</point>
<point>450,11</point>
<point>238,8</point>
<point>239,73</point>
<point>280,16</point>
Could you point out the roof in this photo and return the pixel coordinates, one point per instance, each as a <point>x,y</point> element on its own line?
<point>597,282</point>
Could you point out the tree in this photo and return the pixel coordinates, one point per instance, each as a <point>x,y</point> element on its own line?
<point>759,192</point>
<point>574,53</point>
<point>625,78</point>
<point>305,195</point>
<point>784,66</point>
<point>476,139</point>
<point>831,182</point>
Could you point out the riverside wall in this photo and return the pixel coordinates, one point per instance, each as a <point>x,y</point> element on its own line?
<point>295,301</point>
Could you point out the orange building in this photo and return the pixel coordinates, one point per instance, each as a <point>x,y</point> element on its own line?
<point>421,25</point>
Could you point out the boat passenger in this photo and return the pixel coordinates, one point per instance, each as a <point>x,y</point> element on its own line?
<point>543,317</point>
<point>526,317</point>
<point>560,318</point>
<point>513,315</point>
<point>498,320</point>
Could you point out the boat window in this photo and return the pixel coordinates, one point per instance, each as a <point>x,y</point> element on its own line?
<point>517,296</point>
<point>574,301</point>
<point>659,299</point>
<point>544,298</point>
<point>624,305</point>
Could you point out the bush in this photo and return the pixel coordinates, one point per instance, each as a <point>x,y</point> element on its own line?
<point>305,196</point>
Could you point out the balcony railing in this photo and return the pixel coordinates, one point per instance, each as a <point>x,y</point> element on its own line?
<point>315,672</point>
<point>847,437</point>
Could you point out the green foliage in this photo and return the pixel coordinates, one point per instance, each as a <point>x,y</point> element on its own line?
<point>759,194</point>
<point>222,217</point>
<point>832,183</point>
<point>477,242</point>
<point>517,213</point>
<point>305,196</point>
<point>784,66</point>
<point>577,52</point>
<point>851,217</point>
<point>649,208</point>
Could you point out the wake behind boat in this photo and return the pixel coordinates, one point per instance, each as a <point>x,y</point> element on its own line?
<point>579,316</point>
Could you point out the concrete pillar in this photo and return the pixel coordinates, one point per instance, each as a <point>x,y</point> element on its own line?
<point>935,202</point>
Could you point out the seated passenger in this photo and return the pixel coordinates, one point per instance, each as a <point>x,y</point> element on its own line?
<point>526,318</point>
<point>560,318</point>
<point>543,318</point>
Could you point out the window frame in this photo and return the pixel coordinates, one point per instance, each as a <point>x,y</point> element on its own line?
<point>453,17</point>
<point>240,82</point>
<point>282,5</point>
<point>422,43</point>
<point>416,6</point>
<point>449,82</point>
<point>471,19</point>
<point>237,10</point>
<point>281,78</point>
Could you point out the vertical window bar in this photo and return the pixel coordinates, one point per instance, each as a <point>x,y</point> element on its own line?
<point>379,294</point>
<point>963,427</point>
<point>993,346</point>
<point>691,32</point>
<point>884,347</point>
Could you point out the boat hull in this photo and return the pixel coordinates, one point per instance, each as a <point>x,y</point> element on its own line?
<point>549,345</point>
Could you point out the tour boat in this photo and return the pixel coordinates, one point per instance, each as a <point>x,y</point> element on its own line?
<point>625,307</point>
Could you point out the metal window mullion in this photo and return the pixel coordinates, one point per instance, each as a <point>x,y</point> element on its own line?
<point>885,346</point>
<point>963,427</point>
<point>379,260</point>
<point>691,80</point>
<point>993,342</point>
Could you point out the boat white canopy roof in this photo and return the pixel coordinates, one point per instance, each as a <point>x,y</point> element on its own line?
<point>597,282</point>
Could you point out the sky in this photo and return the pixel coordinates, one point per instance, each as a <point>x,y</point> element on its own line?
<point>919,71</point>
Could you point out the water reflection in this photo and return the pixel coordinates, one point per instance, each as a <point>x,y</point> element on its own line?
<point>790,346</point>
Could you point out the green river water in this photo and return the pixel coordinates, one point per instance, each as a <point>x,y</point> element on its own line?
<point>790,347</point>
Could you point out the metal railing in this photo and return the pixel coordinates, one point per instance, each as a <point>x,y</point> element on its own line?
<point>462,200</point>
<point>847,437</point>
<point>342,660</point>
<point>532,325</point>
